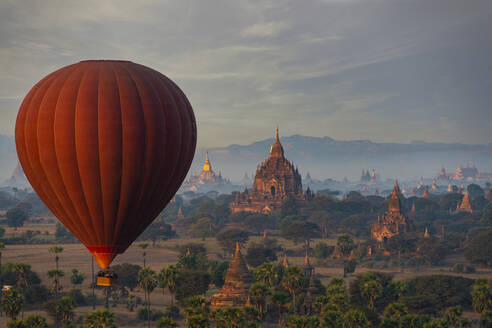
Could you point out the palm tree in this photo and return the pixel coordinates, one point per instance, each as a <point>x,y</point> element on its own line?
<point>166,322</point>
<point>371,290</point>
<point>167,279</point>
<point>12,302</point>
<point>100,319</point>
<point>293,281</point>
<point>355,319</point>
<point>198,321</point>
<point>147,281</point>
<point>279,299</point>
<point>269,274</point>
<point>64,310</point>
<point>35,321</point>
<point>21,269</point>
<point>258,292</point>
<point>143,246</point>
<point>56,250</point>
<point>395,311</point>
<point>481,295</point>
<point>229,318</point>
<point>337,292</point>
<point>55,274</point>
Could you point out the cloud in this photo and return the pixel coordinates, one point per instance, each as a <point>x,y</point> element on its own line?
<point>262,30</point>
<point>384,70</point>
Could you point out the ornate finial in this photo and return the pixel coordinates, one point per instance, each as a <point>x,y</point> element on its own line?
<point>276,133</point>
<point>207,166</point>
<point>306,259</point>
<point>285,263</point>
<point>237,247</point>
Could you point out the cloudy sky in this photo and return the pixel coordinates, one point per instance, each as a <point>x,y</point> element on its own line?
<point>385,70</point>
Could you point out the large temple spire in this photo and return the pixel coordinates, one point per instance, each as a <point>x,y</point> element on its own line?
<point>276,150</point>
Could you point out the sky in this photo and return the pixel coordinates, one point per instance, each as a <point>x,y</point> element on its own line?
<point>383,70</point>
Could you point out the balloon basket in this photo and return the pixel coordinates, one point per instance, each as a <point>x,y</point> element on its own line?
<point>106,278</point>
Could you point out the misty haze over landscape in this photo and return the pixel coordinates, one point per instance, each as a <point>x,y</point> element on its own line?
<point>326,158</point>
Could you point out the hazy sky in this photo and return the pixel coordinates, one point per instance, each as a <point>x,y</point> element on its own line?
<point>370,69</point>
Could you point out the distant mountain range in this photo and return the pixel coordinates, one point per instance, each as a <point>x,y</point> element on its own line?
<point>329,158</point>
<point>324,157</point>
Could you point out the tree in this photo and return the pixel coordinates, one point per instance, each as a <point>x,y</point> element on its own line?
<point>197,312</point>
<point>486,319</point>
<point>16,324</point>
<point>454,317</point>
<point>2,246</point>
<point>258,254</point>
<point>323,219</point>
<point>258,293</point>
<point>55,274</point>
<point>16,217</point>
<point>62,309</point>
<point>371,290</point>
<point>147,281</point>
<point>229,318</point>
<point>127,274</point>
<point>280,299</point>
<point>143,246</point>
<point>301,231</point>
<point>349,267</point>
<point>12,302</point>
<point>35,321</point>
<point>480,248</point>
<point>395,311</point>
<point>331,316</point>
<point>227,239</point>
<point>157,231</point>
<point>337,293</point>
<point>191,283</point>
<point>166,322</point>
<point>218,273</point>
<point>167,280</point>
<point>297,321</point>
<point>322,250</point>
<point>202,228</point>
<point>100,319</point>
<point>345,244</point>
<point>354,318</point>
<point>198,321</point>
<point>293,281</point>
<point>269,274</point>
<point>481,295</point>
<point>76,278</point>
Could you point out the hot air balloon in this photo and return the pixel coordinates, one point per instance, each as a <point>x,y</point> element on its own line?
<point>106,145</point>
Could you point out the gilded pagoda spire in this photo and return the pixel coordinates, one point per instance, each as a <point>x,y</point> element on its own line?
<point>207,166</point>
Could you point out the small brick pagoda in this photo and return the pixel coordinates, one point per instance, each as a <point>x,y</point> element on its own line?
<point>235,291</point>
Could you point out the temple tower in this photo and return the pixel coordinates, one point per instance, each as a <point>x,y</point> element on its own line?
<point>234,293</point>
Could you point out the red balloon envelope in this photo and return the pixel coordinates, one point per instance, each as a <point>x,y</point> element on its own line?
<point>106,145</point>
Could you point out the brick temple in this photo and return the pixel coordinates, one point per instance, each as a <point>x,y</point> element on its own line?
<point>235,291</point>
<point>276,180</point>
<point>393,221</point>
